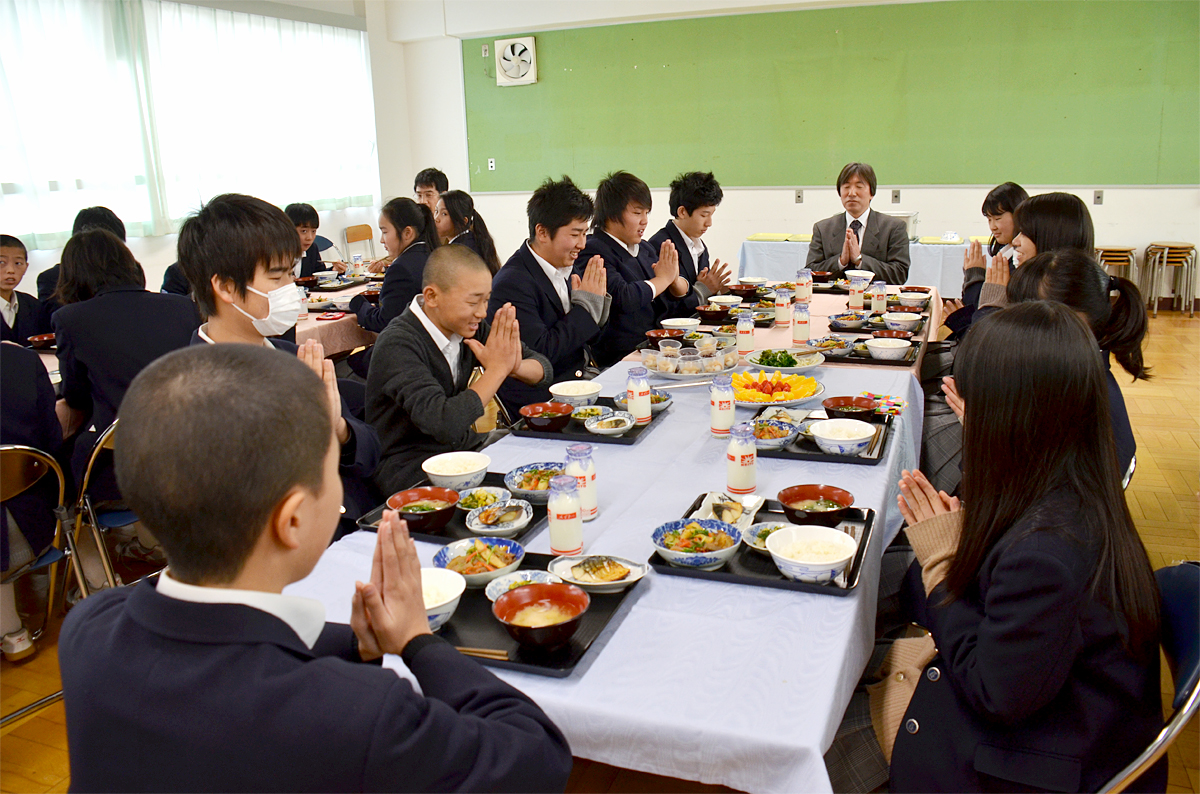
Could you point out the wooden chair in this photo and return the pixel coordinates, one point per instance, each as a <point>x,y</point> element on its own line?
<point>1111,257</point>
<point>356,234</point>
<point>1161,255</point>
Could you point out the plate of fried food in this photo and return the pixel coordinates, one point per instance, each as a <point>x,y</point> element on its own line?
<point>598,573</point>
<point>751,390</point>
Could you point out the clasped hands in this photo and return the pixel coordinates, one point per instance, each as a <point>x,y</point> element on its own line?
<point>312,353</point>
<point>388,611</point>
<point>920,501</point>
<point>503,347</point>
<point>851,249</point>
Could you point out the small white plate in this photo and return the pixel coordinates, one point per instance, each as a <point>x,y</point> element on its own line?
<point>505,530</point>
<point>561,566</point>
<point>498,587</point>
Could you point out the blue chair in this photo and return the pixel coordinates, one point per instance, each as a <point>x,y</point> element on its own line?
<point>1179,586</point>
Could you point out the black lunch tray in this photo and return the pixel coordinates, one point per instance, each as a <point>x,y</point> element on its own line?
<point>457,528</point>
<point>474,626</point>
<point>806,449</point>
<point>341,285</point>
<point>829,288</point>
<point>757,569</point>
<point>575,431</point>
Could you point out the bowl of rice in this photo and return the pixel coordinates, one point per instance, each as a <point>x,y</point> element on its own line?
<point>576,393</point>
<point>457,470</point>
<point>441,590</point>
<point>842,436</point>
<point>811,554</point>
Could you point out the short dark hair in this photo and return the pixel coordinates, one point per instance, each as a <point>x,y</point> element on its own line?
<point>1055,220</point>
<point>210,439</point>
<point>96,260</point>
<point>98,218</point>
<point>8,241</point>
<point>694,190</point>
<point>431,177</point>
<point>1004,198</point>
<point>616,192</point>
<point>861,170</point>
<point>303,215</point>
<point>231,237</point>
<point>555,204</point>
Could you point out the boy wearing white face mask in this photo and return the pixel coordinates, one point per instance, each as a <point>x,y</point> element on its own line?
<point>238,254</point>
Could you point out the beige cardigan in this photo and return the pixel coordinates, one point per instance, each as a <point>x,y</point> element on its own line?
<point>934,542</point>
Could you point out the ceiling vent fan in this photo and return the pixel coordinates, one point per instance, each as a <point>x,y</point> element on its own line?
<point>516,62</point>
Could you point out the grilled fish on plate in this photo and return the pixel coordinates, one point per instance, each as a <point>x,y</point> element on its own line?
<point>599,570</point>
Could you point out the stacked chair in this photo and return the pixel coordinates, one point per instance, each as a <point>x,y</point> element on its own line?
<point>1181,257</point>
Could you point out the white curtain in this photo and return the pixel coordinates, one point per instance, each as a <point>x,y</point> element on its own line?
<point>161,106</point>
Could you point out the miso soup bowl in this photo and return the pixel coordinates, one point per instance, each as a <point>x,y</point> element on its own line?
<point>571,599</point>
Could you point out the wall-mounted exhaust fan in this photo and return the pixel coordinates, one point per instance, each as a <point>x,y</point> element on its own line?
<point>516,62</point>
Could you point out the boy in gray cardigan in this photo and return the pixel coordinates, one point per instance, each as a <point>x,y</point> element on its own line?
<point>418,399</point>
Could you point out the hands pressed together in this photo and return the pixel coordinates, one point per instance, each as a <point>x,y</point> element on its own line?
<point>919,500</point>
<point>312,353</point>
<point>851,249</point>
<point>503,348</point>
<point>595,279</point>
<point>388,611</point>
<point>716,277</point>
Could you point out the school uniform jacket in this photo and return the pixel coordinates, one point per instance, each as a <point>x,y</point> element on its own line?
<point>685,306</point>
<point>635,310</point>
<point>558,334</point>
<point>417,405</point>
<point>32,319</point>
<point>1031,688</point>
<point>401,283</point>
<point>174,281</point>
<point>884,247</point>
<point>225,697</point>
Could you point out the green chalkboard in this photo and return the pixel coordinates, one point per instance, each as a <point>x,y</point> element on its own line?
<point>1071,93</point>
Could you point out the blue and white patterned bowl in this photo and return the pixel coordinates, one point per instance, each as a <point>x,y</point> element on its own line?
<point>511,581</point>
<point>451,586</point>
<point>622,401</point>
<point>775,443</point>
<point>459,481</point>
<point>514,477</point>
<point>836,352</point>
<point>812,571</point>
<point>708,561</point>
<point>586,412</point>
<point>847,321</point>
<point>506,529</point>
<point>901,321</point>
<point>750,535</point>
<point>864,432</point>
<point>459,547</point>
<point>500,493</point>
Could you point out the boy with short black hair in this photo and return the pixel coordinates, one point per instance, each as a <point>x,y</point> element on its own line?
<point>21,314</point>
<point>85,219</point>
<point>558,312</point>
<point>695,196</point>
<point>644,282</point>
<point>428,186</point>
<point>306,221</point>
<point>419,395</point>
<point>221,681</point>
<point>238,253</point>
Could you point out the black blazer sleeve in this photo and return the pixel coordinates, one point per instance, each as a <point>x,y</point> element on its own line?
<point>76,385</point>
<point>47,282</point>
<point>557,337</point>
<point>174,281</point>
<point>401,283</point>
<point>360,455</point>
<point>826,246</point>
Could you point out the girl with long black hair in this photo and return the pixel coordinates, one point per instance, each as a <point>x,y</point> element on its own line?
<point>409,235</point>
<point>458,222</point>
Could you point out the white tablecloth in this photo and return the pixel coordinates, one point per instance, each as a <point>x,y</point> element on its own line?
<point>772,670</point>
<point>932,265</point>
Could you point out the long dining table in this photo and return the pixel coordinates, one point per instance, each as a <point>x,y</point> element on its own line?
<point>697,679</point>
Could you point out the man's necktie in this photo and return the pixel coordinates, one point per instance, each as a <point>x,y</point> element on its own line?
<point>856,225</point>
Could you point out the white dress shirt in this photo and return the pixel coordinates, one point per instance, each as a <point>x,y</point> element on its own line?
<point>8,310</point>
<point>558,278</point>
<point>451,348</point>
<point>695,246</point>
<point>305,616</point>
<point>862,233</point>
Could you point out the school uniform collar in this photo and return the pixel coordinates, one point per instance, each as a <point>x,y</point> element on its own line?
<point>202,331</point>
<point>305,616</point>
<point>121,288</point>
<point>632,249</point>
<point>9,309</point>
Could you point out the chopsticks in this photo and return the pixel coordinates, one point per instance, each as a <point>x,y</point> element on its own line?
<point>485,653</point>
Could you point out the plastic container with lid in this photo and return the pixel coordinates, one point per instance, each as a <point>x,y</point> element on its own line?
<point>579,464</point>
<point>745,334</point>
<point>637,394</point>
<point>878,293</point>
<point>564,512</point>
<point>783,307</point>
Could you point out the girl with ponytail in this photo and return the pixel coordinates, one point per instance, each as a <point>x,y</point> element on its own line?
<point>409,235</point>
<point>459,223</point>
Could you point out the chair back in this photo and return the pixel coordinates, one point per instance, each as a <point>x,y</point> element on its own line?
<point>1179,590</point>
<point>358,234</point>
<point>105,443</point>
<point>20,469</point>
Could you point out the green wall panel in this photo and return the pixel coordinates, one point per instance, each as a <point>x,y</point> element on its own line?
<point>966,92</point>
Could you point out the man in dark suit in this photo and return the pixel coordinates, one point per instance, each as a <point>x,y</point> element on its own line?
<point>224,683</point>
<point>88,218</point>
<point>558,312</point>
<point>694,198</point>
<point>859,239</point>
<point>644,283</point>
<point>21,315</point>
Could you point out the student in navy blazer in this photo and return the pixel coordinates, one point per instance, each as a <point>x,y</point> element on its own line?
<point>409,235</point>
<point>224,683</point>
<point>88,218</point>
<point>30,316</point>
<point>460,223</point>
<point>233,313</point>
<point>694,198</point>
<point>558,312</point>
<point>307,221</point>
<point>108,329</point>
<point>643,283</point>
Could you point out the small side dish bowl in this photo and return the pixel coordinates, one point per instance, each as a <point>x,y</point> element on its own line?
<point>472,498</point>
<point>842,436</point>
<point>892,334</point>
<point>811,554</point>
<point>656,406</point>
<point>41,341</point>
<point>577,393</point>
<point>512,481</point>
<point>713,314</point>
<point>600,425</point>
<point>705,561</point>
<point>442,589</point>
<point>656,335</point>
<point>755,536</point>
<point>567,599</point>
<point>511,581</point>
<point>505,529</point>
<point>308,282</point>
<point>849,407</point>
<point>888,349</point>
<point>590,411</point>
<point>726,301</point>
<point>847,321</point>
<point>457,470</point>
<point>901,321</point>
<point>793,498</point>
<point>789,431</point>
<point>460,547</point>
<point>684,324</point>
<point>428,521</point>
<point>550,417</point>
<point>826,346</point>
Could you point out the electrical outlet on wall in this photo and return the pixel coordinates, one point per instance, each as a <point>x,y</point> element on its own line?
<point>799,196</point>
<point>895,196</point>
<point>485,50</point>
<point>1097,196</point>
<point>491,164</point>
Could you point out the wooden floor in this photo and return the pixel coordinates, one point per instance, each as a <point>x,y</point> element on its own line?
<point>1164,498</point>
